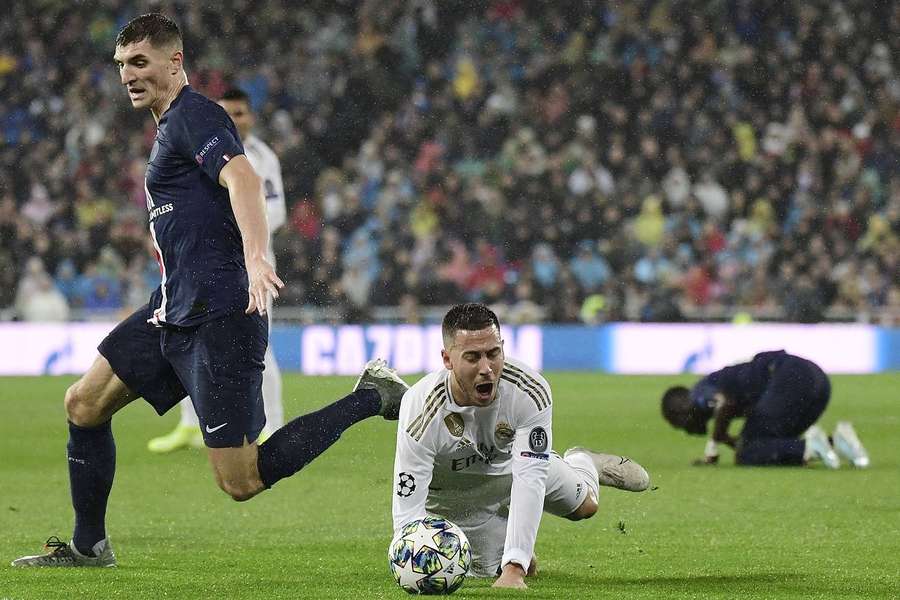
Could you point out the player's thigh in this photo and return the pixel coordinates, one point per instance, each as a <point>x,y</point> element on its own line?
<point>566,489</point>
<point>133,352</point>
<point>221,365</point>
<point>97,395</point>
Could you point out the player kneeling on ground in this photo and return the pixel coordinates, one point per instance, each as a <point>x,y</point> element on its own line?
<point>781,396</point>
<point>474,446</point>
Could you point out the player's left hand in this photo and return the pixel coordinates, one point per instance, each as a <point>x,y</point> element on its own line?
<point>263,281</point>
<point>512,576</point>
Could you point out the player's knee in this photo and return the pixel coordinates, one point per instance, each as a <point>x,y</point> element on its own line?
<point>239,489</point>
<point>587,509</point>
<point>79,409</point>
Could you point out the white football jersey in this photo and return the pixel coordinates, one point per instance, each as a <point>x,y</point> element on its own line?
<point>268,167</point>
<point>458,461</point>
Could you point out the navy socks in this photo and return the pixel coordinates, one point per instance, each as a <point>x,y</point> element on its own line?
<point>92,458</point>
<point>300,441</point>
<point>92,465</point>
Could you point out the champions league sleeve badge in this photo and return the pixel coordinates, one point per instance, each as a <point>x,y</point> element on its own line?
<point>537,439</point>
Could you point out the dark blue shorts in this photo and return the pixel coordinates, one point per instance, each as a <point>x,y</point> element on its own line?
<point>219,364</point>
<point>795,398</point>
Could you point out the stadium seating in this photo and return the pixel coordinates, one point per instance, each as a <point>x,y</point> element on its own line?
<point>614,161</point>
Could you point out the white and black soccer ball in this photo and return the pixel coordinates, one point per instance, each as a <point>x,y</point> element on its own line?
<point>430,556</point>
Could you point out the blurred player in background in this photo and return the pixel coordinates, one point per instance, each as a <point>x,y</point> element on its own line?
<point>474,445</point>
<point>203,334</point>
<point>781,396</point>
<point>187,433</point>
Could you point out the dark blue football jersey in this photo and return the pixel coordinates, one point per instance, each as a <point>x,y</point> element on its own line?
<point>743,383</point>
<point>197,241</point>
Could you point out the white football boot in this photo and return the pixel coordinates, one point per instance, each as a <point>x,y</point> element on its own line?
<point>616,471</point>
<point>847,444</point>
<point>818,447</point>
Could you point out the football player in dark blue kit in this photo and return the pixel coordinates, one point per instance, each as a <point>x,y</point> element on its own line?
<point>781,396</point>
<point>203,333</point>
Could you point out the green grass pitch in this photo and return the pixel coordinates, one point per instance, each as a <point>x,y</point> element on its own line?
<point>706,532</point>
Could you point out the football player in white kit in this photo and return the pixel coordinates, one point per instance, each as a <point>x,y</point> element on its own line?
<point>266,164</point>
<point>474,445</point>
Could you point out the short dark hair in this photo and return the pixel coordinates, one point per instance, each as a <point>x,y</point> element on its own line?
<point>679,410</point>
<point>159,29</point>
<point>470,316</point>
<point>236,94</point>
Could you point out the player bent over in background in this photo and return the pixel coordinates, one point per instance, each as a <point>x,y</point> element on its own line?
<point>474,446</point>
<point>781,396</point>
<point>199,335</point>
<point>187,433</point>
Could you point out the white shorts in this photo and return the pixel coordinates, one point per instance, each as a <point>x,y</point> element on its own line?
<point>485,527</point>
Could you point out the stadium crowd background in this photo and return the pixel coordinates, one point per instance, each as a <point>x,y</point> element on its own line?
<point>603,161</point>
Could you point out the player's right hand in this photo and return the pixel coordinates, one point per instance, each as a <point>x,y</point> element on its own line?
<point>263,281</point>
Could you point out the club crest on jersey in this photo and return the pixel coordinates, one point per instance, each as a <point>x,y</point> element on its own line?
<point>504,433</point>
<point>537,439</point>
<point>455,425</point>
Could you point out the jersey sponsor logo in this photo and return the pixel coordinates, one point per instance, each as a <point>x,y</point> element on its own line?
<point>488,453</point>
<point>160,210</point>
<point>537,439</point>
<point>406,485</point>
<point>205,149</point>
<point>484,454</point>
<point>504,433</point>
<point>459,464</point>
<point>455,425</point>
<point>539,394</point>
<point>537,455</point>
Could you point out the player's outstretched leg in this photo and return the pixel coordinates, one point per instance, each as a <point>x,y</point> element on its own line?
<point>390,387</point>
<point>377,392</point>
<point>615,471</point>
<point>847,444</point>
<point>186,434</point>
<point>818,447</point>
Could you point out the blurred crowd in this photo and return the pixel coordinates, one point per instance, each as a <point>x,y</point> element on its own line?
<point>565,162</point>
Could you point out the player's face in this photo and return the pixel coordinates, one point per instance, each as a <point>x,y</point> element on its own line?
<point>148,73</point>
<point>240,113</point>
<point>475,359</point>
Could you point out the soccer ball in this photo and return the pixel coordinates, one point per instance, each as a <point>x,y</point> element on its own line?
<point>430,556</point>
